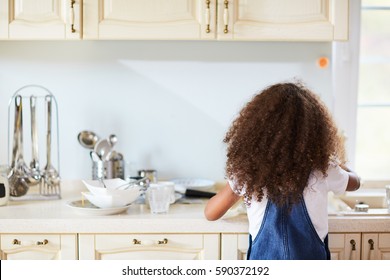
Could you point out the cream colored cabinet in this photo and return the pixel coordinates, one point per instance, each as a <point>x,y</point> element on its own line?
<point>280,20</point>
<point>234,246</point>
<point>149,19</point>
<point>375,246</point>
<point>345,246</point>
<point>149,246</point>
<point>38,247</point>
<point>251,20</point>
<point>40,19</point>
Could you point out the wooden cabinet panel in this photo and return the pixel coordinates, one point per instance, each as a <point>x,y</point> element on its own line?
<point>234,246</point>
<point>149,246</point>
<point>40,19</point>
<point>295,20</point>
<point>38,247</point>
<point>345,246</point>
<point>149,19</point>
<point>376,246</point>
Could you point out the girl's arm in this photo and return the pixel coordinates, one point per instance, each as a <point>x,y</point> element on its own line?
<point>221,202</point>
<point>353,180</point>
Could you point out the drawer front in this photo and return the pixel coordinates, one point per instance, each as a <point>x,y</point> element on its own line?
<point>38,246</point>
<point>150,246</point>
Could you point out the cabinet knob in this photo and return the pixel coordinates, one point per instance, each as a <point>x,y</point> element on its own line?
<point>353,243</point>
<point>16,242</point>
<point>164,241</point>
<point>371,242</point>
<point>44,242</point>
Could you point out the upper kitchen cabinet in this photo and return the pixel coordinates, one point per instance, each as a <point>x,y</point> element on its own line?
<point>282,20</point>
<point>149,19</point>
<point>40,19</point>
<point>250,20</point>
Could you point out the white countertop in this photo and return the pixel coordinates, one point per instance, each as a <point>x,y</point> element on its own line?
<point>55,216</point>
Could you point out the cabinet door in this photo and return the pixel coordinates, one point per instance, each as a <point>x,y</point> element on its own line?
<point>344,246</point>
<point>149,246</point>
<point>38,247</point>
<point>234,246</point>
<point>376,246</point>
<point>279,20</point>
<point>40,19</point>
<point>149,19</point>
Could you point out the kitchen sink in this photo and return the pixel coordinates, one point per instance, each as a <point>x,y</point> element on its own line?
<point>344,204</point>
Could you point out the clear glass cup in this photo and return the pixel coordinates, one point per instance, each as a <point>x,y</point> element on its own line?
<point>159,198</point>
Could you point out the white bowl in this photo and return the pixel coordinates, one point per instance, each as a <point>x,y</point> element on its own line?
<point>113,187</point>
<point>111,200</point>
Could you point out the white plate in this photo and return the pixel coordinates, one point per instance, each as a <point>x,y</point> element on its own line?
<point>89,209</point>
<point>193,183</point>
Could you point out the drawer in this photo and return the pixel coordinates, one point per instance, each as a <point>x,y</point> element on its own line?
<point>149,246</point>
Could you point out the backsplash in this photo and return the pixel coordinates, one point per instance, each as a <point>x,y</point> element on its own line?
<point>169,102</point>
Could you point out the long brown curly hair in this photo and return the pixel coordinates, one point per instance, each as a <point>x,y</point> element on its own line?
<point>283,134</point>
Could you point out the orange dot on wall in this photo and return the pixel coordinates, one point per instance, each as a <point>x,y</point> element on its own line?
<point>323,62</point>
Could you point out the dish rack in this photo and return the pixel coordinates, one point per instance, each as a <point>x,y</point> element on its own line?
<point>32,174</point>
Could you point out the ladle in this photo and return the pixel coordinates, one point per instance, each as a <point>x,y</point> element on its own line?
<point>18,179</point>
<point>88,139</point>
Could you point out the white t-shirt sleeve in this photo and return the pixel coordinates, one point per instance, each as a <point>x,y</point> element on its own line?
<point>337,179</point>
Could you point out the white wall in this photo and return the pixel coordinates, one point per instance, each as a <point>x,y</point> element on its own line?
<point>169,102</point>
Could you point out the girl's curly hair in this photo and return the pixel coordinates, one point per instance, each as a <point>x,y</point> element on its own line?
<point>280,136</point>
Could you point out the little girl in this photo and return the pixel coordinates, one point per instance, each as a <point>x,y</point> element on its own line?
<point>283,157</point>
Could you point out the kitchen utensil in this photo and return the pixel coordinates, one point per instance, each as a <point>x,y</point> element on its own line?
<point>4,187</point>
<point>19,173</point>
<point>51,177</point>
<point>130,184</point>
<point>102,182</point>
<point>88,139</point>
<point>102,148</point>
<point>151,174</point>
<point>94,156</point>
<point>35,174</point>
<point>193,193</point>
<point>112,139</point>
<point>108,169</point>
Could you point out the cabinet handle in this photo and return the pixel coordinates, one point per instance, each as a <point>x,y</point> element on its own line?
<point>44,242</point>
<point>72,16</point>
<point>371,242</point>
<point>149,242</point>
<point>226,16</point>
<point>136,242</point>
<point>16,242</point>
<point>208,16</point>
<point>353,243</point>
<point>164,241</point>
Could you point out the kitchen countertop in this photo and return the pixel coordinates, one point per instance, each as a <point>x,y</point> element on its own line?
<point>55,216</point>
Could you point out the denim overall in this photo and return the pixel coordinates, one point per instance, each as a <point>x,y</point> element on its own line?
<point>285,235</point>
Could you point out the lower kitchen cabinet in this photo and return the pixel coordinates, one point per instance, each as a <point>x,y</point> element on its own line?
<point>342,246</point>
<point>345,246</point>
<point>38,247</point>
<point>234,246</point>
<point>359,246</point>
<point>149,246</point>
<point>375,246</point>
